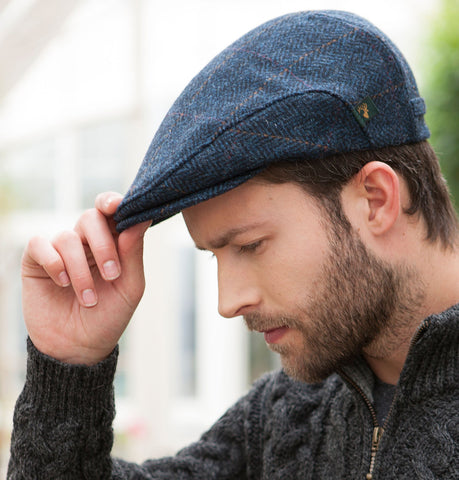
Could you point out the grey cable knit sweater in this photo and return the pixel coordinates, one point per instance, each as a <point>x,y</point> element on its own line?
<point>281,429</point>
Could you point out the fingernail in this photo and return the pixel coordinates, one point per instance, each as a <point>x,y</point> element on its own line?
<point>89,297</point>
<point>64,279</point>
<point>108,202</point>
<point>111,270</point>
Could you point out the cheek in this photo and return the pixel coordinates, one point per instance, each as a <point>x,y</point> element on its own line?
<point>292,278</point>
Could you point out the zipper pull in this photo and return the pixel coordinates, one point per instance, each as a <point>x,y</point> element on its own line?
<point>377,432</point>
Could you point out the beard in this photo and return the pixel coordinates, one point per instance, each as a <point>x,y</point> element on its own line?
<point>360,303</point>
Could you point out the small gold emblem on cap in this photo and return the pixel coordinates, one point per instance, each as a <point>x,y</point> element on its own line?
<point>364,111</point>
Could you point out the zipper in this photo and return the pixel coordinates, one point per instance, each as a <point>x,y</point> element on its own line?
<point>377,434</point>
<point>422,328</point>
<point>377,429</point>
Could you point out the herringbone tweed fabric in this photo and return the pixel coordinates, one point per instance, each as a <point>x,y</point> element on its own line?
<point>305,85</point>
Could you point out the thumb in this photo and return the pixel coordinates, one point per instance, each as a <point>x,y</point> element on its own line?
<point>130,251</point>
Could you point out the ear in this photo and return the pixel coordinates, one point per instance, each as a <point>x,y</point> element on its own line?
<point>376,193</point>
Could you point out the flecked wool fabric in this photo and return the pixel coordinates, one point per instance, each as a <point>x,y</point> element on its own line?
<point>305,85</point>
<point>280,430</point>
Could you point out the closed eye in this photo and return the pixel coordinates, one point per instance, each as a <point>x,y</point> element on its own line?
<point>251,247</point>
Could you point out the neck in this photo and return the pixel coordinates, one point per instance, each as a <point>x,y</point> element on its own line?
<point>438,280</point>
<point>388,369</point>
<point>441,277</point>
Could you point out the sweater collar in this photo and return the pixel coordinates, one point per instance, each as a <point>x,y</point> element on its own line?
<point>432,363</point>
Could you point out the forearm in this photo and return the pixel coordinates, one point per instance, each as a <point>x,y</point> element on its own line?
<point>63,420</point>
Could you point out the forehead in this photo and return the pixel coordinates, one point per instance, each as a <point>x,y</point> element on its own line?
<point>254,204</point>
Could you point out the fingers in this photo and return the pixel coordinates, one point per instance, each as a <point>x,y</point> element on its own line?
<point>70,248</point>
<point>94,230</point>
<point>92,252</point>
<point>64,261</point>
<point>130,248</point>
<point>70,258</point>
<point>41,259</point>
<point>108,202</point>
<point>130,242</point>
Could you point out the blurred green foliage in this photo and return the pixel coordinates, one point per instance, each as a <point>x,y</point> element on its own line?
<point>442,90</point>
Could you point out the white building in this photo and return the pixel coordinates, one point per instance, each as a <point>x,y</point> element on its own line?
<point>83,87</point>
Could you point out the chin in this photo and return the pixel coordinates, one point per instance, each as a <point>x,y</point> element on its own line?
<point>304,371</point>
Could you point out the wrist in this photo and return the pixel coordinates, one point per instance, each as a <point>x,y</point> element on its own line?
<point>64,389</point>
<point>73,355</point>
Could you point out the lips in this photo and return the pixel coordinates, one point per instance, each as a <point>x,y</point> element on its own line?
<point>275,334</point>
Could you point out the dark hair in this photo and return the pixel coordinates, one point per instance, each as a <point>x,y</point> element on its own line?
<point>416,163</point>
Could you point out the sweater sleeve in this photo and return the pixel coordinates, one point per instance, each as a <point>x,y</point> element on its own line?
<point>62,424</point>
<point>63,429</point>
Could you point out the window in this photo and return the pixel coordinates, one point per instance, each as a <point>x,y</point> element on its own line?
<point>27,174</point>
<point>102,155</point>
<point>186,297</point>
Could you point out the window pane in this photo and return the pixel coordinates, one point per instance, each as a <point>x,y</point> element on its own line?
<point>27,173</point>
<point>102,155</point>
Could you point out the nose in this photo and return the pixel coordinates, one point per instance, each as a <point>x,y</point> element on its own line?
<point>238,291</point>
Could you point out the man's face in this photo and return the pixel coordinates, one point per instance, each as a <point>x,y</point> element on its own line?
<point>310,286</point>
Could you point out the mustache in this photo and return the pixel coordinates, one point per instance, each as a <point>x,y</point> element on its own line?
<point>258,322</point>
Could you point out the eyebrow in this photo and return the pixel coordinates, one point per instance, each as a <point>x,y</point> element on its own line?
<point>225,238</point>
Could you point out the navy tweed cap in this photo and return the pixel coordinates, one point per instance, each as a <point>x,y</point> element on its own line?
<point>302,86</point>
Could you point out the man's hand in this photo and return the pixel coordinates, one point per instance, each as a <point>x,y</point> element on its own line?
<point>81,289</point>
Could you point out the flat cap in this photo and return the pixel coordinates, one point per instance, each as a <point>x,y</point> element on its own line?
<point>303,86</point>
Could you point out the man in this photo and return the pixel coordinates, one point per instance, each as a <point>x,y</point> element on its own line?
<point>298,157</point>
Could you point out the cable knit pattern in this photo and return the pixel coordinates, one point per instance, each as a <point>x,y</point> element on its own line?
<point>62,421</point>
<point>281,429</point>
